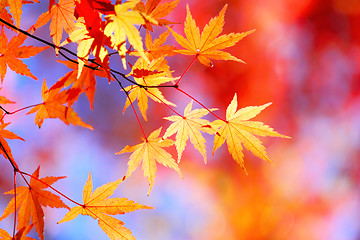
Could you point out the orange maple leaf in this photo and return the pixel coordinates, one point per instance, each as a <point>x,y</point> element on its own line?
<point>238,131</point>
<point>3,100</point>
<point>84,83</point>
<point>62,18</point>
<point>149,152</point>
<point>189,126</point>
<point>15,7</point>
<point>208,45</point>
<point>157,11</point>
<point>31,199</point>
<point>4,147</point>
<point>20,235</point>
<point>4,14</point>
<point>12,51</point>
<point>53,107</point>
<point>98,206</point>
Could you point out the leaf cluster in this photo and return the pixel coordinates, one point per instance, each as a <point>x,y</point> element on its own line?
<point>100,30</point>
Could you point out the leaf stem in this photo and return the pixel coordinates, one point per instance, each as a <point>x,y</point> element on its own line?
<point>188,67</point>
<point>166,104</point>
<point>132,105</point>
<point>200,104</point>
<point>15,204</point>
<point>52,188</point>
<point>13,163</point>
<point>74,54</point>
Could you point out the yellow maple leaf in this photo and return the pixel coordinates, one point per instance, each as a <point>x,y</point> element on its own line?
<point>120,26</point>
<point>97,205</point>
<point>156,49</point>
<point>208,45</point>
<point>189,126</point>
<point>149,152</point>
<point>238,131</point>
<point>152,78</point>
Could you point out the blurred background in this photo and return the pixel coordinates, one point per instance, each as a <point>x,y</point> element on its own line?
<point>304,57</point>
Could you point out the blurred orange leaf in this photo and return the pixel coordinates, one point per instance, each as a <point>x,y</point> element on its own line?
<point>154,9</point>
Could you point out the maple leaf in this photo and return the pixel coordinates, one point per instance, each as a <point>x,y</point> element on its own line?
<point>154,79</point>
<point>149,152</point>
<point>90,38</point>
<point>154,9</point>
<point>4,148</point>
<point>208,45</point>
<point>11,51</point>
<point>3,100</point>
<point>62,18</point>
<point>97,205</point>
<point>31,199</point>
<point>85,82</point>
<point>120,26</point>
<point>189,126</point>
<point>53,107</point>
<point>15,7</point>
<point>238,131</point>
<point>20,235</point>
<point>155,49</point>
<point>4,14</point>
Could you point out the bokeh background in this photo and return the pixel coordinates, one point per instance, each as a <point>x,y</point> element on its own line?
<point>304,57</point>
